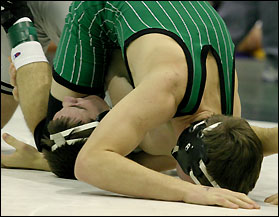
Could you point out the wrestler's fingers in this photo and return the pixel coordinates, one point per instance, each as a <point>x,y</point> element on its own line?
<point>240,199</point>
<point>273,199</point>
<point>244,203</point>
<point>15,94</point>
<point>12,141</point>
<point>237,201</point>
<point>245,198</point>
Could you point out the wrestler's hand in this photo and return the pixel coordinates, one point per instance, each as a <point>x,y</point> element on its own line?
<point>25,156</point>
<point>12,71</point>
<point>205,195</point>
<point>273,199</point>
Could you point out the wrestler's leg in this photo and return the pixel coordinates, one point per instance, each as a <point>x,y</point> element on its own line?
<point>117,81</point>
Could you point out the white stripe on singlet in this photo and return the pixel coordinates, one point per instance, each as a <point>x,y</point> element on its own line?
<point>228,77</point>
<point>90,36</point>
<point>72,76</point>
<point>193,22</point>
<point>94,67</point>
<point>208,38</point>
<point>79,5</point>
<point>224,27</point>
<point>169,19</point>
<point>216,34</point>
<point>153,15</point>
<point>123,18</point>
<point>63,39</point>
<point>65,53</point>
<point>137,14</point>
<point>80,57</point>
<point>80,42</point>
<point>192,48</point>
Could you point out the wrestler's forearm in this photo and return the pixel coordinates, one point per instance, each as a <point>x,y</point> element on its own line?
<point>269,139</point>
<point>158,163</point>
<point>129,178</point>
<point>33,83</point>
<point>115,173</point>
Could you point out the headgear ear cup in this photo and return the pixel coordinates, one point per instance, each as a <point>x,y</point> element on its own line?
<point>190,152</point>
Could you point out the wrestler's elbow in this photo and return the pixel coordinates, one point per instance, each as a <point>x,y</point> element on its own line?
<point>88,167</point>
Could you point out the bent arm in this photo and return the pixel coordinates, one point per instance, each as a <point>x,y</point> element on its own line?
<point>118,134</point>
<point>101,161</point>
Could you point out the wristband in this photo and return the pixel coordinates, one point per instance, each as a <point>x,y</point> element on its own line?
<point>24,42</point>
<point>27,52</point>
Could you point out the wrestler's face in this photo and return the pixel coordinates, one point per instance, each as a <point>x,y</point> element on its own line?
<point>82,109</point>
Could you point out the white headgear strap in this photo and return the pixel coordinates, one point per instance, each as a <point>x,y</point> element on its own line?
<point>210,179</point>
<point>201,163</point>
<point>211,127</point>
<point>59,138</point>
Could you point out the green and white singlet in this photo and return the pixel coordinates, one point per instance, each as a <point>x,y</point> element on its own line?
<point>94,28</point>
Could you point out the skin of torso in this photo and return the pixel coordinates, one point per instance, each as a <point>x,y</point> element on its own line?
<point>161,140</point>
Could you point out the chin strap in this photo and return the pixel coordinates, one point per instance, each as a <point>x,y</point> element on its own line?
<point>204,170</point>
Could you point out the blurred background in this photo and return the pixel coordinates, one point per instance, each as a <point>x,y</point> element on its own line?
<point>253,26</point>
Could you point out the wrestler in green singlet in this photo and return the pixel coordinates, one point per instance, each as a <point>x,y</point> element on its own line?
<point>94,28</point>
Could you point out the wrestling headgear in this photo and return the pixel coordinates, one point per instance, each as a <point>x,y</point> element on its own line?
<point>60,138</point>
<point>190,152</point>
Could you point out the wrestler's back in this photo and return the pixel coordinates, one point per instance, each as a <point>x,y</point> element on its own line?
<point>152,50</point>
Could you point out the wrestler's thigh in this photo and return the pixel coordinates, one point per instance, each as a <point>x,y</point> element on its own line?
<point>117,81</point>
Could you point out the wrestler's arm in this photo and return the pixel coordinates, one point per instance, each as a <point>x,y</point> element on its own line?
<point>31,88</point>
<point>122,130</point>
<point>118,87</point>
<point>268,136</point>
<point>269,139</point>
<point>158,163</point>
<point>118,134</point>
<point>33,83</point>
